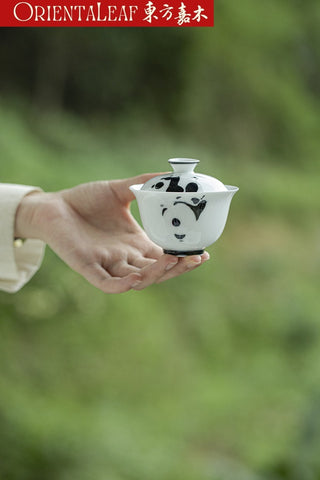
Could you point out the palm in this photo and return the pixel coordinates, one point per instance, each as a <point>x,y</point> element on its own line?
<point>105,208</point>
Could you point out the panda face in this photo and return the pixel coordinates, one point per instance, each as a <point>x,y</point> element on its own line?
<point>179,215</point>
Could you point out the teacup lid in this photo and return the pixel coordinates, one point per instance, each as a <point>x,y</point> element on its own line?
<point>184,179</point>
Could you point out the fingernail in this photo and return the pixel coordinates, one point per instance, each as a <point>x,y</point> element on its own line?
<point>206,256</point>
<point>136,284</point>
<point>193,262</point>
<point>170,265</point>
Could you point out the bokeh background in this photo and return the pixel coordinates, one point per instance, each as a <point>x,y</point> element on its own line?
<point>214,375</point>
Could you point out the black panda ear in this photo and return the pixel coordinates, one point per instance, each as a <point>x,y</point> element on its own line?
<point>192,187</point>
<point>174,184</point>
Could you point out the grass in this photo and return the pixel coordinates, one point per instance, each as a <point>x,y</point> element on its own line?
<point>213,375</point>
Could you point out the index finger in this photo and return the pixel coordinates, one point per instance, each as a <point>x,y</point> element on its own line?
<point>152,273</point>
<point>121,187</point>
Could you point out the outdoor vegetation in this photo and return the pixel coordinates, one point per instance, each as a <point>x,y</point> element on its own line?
<point>214,375</point>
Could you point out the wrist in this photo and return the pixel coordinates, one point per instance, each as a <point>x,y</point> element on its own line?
<point>29,217</point>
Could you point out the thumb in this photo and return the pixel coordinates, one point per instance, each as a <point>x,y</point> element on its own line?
<point>121,187</point>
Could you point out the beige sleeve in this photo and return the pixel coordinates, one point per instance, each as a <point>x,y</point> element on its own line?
<point>17,264</point>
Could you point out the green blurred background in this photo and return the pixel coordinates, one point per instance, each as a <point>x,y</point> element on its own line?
<point>214,375</point>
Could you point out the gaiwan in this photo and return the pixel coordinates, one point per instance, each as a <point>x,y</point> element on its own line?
<point>184,211</point>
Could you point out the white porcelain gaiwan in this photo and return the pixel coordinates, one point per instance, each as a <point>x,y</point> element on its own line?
<point>184,212</point>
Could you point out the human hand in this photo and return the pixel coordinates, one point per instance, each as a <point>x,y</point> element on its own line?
<point>92,229</point>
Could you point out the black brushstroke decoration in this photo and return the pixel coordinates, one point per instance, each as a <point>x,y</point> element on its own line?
<point>197,209</point>
<point>173,185</point>
<point>164,210</point>
<point>192,187</point>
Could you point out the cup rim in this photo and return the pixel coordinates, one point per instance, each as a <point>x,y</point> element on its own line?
<point>183,161</point>
<point>138,187</point>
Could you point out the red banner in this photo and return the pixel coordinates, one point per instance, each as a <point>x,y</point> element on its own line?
<point>107,13</point>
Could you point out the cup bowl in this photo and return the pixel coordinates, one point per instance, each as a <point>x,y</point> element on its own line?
<point>183,223</point>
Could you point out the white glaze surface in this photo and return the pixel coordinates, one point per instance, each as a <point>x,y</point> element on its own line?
<point>171,220</point>
<point>184,211</point>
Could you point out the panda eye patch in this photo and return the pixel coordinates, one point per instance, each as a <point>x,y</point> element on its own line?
<point>176,222</point>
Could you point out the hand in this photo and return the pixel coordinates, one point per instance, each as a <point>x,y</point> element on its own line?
<point>91,228</point>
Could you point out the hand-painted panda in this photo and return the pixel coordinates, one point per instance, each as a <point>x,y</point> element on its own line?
<point>180,214</point>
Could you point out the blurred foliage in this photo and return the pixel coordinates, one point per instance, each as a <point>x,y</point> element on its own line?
<point>210,376</point>
<point>213,375</point>
<point>249,86</point>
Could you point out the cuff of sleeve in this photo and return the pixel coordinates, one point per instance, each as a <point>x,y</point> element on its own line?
<point>17,265</point>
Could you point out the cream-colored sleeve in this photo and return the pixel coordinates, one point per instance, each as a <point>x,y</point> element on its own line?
<point>17,264</point>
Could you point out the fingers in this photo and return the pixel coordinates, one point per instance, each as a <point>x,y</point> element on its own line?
<point>154,252</point>
<point>153,272</point>
<point>185,264</point>
<point>146,256</point>
<point>168,267</point>
<point>141,262</point>
<point>122,277</point>
<point>121,268</point>
<point>100,278</point>
<point>121,187</point>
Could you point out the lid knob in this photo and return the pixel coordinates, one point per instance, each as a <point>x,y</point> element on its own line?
<point>183,165</point>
